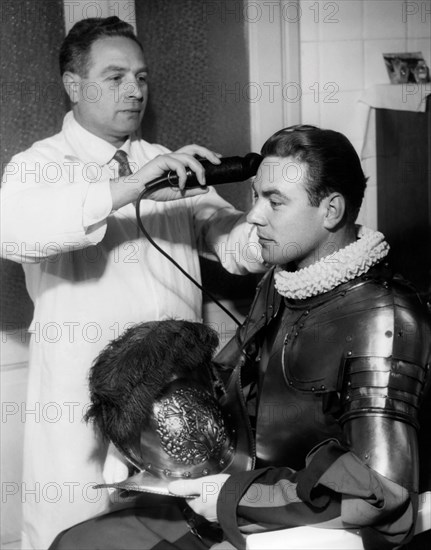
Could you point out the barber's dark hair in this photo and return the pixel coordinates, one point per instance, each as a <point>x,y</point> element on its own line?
<point>332,163</point>
<point>75,50</point>
<point>133,370</point>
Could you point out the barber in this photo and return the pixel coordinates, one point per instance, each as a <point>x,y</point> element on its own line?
<point>68,217</point>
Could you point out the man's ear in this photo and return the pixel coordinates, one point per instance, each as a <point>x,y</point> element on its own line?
<point>335,205</point>
<point>71,82</point>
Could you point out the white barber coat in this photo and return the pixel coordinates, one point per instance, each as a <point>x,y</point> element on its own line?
<point>91,274</point>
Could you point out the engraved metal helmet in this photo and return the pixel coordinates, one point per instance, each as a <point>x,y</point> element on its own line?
<point>191,434</point>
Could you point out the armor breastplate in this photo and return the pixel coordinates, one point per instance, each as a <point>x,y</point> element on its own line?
<point>289,421</point>
<point>307,370</point>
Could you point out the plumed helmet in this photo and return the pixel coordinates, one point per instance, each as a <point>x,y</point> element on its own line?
<point>192,430</point>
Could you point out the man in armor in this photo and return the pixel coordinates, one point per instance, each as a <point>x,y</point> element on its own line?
<point>330,371</point>
<point>336,352</point>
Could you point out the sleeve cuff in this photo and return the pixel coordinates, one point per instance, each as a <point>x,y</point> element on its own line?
<point>227,504</point>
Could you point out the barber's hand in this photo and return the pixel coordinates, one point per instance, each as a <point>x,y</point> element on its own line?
<point>127,189</point>
<point>180,161</point>
<point>207,488</point>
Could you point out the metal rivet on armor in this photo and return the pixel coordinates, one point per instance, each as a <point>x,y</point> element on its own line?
<point>348,338</point>
<point>307,312</point>
<point>222,462</point>
<point>205,472</point>
<point>349,353</point>
<point>290,383</point>
<point>186,474</point>
<point>347,397</point>
<point>367,456</point>
<point>322,387</point>
<point>388,333</point>
<point>313,388</point>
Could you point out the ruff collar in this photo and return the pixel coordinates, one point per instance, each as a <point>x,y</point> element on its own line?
<point>329,272</point>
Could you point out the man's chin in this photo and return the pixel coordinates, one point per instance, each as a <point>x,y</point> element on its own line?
<point>127,129</point>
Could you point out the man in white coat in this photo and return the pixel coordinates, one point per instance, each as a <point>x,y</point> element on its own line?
<point>68,216</point>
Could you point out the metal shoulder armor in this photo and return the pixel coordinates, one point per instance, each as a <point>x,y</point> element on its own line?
<point>384,381</point>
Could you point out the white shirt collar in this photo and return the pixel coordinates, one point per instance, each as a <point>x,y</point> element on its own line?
<point>88,146</point>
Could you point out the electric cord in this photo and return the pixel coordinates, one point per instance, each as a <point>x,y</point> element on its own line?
<point>153,186</point>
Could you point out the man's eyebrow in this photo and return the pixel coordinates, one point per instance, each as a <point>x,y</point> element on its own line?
<point>120,69</point>
<point>271,191</point>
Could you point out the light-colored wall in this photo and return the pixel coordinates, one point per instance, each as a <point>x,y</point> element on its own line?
<point>342,44</point>
<point>341,47</point>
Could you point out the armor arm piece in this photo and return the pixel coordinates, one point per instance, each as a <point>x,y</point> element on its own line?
<point>380,400</point>
<point>383,385</point>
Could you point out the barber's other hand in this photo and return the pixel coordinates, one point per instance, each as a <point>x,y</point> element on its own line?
<point>199,151</point>
<point>207,488</point>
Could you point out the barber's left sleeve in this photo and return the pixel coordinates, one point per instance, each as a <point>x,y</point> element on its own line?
<point>335,490</point>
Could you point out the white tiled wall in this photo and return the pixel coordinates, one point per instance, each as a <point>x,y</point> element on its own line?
<point>342,43</point>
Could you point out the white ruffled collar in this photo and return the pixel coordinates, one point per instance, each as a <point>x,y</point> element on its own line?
<point>326,274</point>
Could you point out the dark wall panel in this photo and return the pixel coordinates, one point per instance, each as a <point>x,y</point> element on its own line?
<point>32,107</point>
<point>198,61</point>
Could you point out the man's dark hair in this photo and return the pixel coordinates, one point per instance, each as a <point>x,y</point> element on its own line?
<point>75,50</point>
<point>133,370</point>
<point>332,162</point>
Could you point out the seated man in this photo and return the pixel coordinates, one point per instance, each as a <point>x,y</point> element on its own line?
<point>332,364</point>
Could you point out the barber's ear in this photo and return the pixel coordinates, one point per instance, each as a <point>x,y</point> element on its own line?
<point>71,82</point>
<point>335,205</point>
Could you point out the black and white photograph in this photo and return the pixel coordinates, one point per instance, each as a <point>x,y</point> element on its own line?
<point>215,274</point>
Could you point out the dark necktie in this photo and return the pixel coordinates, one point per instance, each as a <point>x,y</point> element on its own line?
<point>123,164</point>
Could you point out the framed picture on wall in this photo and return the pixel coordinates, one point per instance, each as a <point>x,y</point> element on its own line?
<point>406,67</point>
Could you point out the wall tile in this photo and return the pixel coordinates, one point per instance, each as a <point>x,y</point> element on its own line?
<point>340,20</point>
<point>344,115</point>
<point>309,22</point>
<point>309,62</point>
<point>384,19</point>
<point>310,110</point>
<point>417,15</point>
<point>375,69</point>
<point>342,63</point>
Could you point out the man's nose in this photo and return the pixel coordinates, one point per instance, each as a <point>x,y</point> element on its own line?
<point>255,215</point>
<point>134,89</point>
